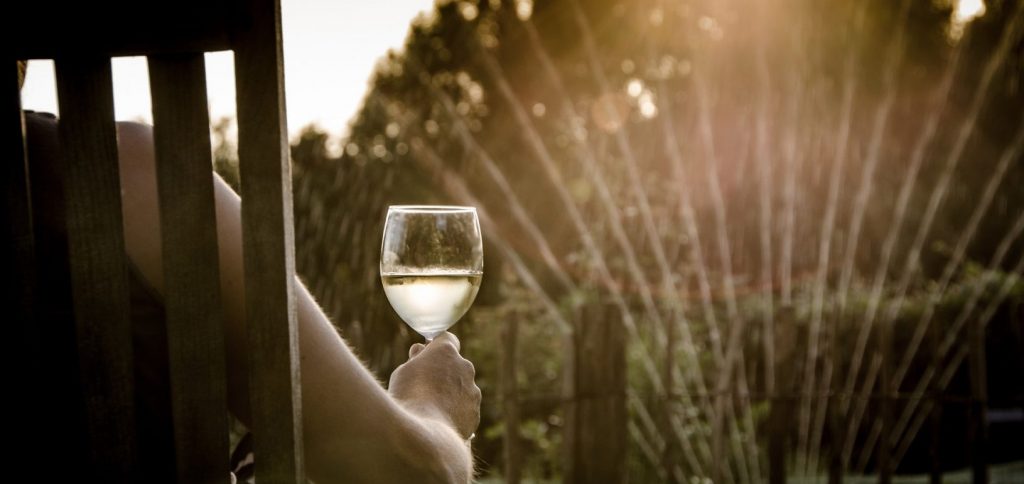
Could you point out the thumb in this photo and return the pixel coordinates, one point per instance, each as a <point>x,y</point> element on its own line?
<point>415,349</point>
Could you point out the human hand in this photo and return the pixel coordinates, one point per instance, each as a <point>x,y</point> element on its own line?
<point>437,382</point>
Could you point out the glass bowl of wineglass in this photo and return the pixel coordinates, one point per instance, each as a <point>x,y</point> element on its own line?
<point>431,264</point>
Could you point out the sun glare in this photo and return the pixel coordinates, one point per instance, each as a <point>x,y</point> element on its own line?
<point>964,12</point>
<point>967,10</point>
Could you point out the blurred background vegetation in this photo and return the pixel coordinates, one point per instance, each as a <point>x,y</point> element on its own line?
<point>768,194</point>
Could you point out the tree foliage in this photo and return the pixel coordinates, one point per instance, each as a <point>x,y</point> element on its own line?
<point>669,152</point>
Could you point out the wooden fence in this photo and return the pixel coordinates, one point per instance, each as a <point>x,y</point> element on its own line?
<point>597,412</point>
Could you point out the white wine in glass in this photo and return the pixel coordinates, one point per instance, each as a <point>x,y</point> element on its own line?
<point>431,264</point>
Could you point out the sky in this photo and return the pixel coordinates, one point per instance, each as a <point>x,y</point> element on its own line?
<point>330,49</point>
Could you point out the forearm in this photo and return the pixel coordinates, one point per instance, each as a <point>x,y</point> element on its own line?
<point>353,430</point>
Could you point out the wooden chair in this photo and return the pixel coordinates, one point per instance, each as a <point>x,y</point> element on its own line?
<point>81,38</point>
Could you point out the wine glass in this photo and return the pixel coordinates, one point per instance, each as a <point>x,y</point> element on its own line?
<point>431,264</point>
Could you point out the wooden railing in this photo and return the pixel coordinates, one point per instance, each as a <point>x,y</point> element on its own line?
<point>603,416</point>
<point>174,36</point>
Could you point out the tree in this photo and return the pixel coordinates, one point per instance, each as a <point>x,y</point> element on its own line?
<point>698,158</point>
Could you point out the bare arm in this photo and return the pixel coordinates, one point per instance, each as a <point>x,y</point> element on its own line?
<point>354,430</point>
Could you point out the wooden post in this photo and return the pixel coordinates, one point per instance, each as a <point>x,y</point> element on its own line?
<point>769,385</point>
<point>718,459</point>
<point>18,245</point>
<point>57,392</point>
<point>885,403</point>
<point>935,414</point>
<point>99,273</point>
<point>836,429</point>
<point>18,252</point>
<point>510,400</point>
<point>595,431</point>
<point>195,330</point>
<point>978,425</point>
<point>778,430</point>
<point>780,413</point>
<point>832,419</point>
<point>670,454</point>
<point>268,245</point>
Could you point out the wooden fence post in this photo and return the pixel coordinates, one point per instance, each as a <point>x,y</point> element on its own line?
<point>935,417</point>
<point>885,404</point>
<point>718,458</point>
<point>836,428</point>
<point>832,418</point>
<point>595,431</point>
<point>779,417</point>
<point>978,427</point>
<point>670,454</point>
<point>510,399</point>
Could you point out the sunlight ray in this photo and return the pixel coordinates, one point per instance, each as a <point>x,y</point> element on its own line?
<point>967,128</point>
<point>953,333</point>
<point>518,212</point>
<point>764,169</point>
<point>941,97</point>
<point>551,169</point>
<point>893,58</point>
<point>668,284</point>
<point>952,336</point>
<point>589,162</point>
<point>792,161</point>
<point>619,233</point>
<point>644,416</point>
<point>1010,154</point>
<point>957,359</point>
<point>645,448</point>
<point>964,132</point>
<point>690,226</point>
<point>850,86</point>
<point>588,240</point>
<point>733,353</point>
<point>880,123</point>
<point>688,451</point>
<point>859,402</point>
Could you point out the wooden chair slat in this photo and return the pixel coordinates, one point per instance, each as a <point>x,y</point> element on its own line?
<point>18,251</point>
<point>118,28</point>
<point>18,248</point>
<point>95,261</point>
<point>99,274</point>
<point>195,331</point>
<point>268,247</point>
